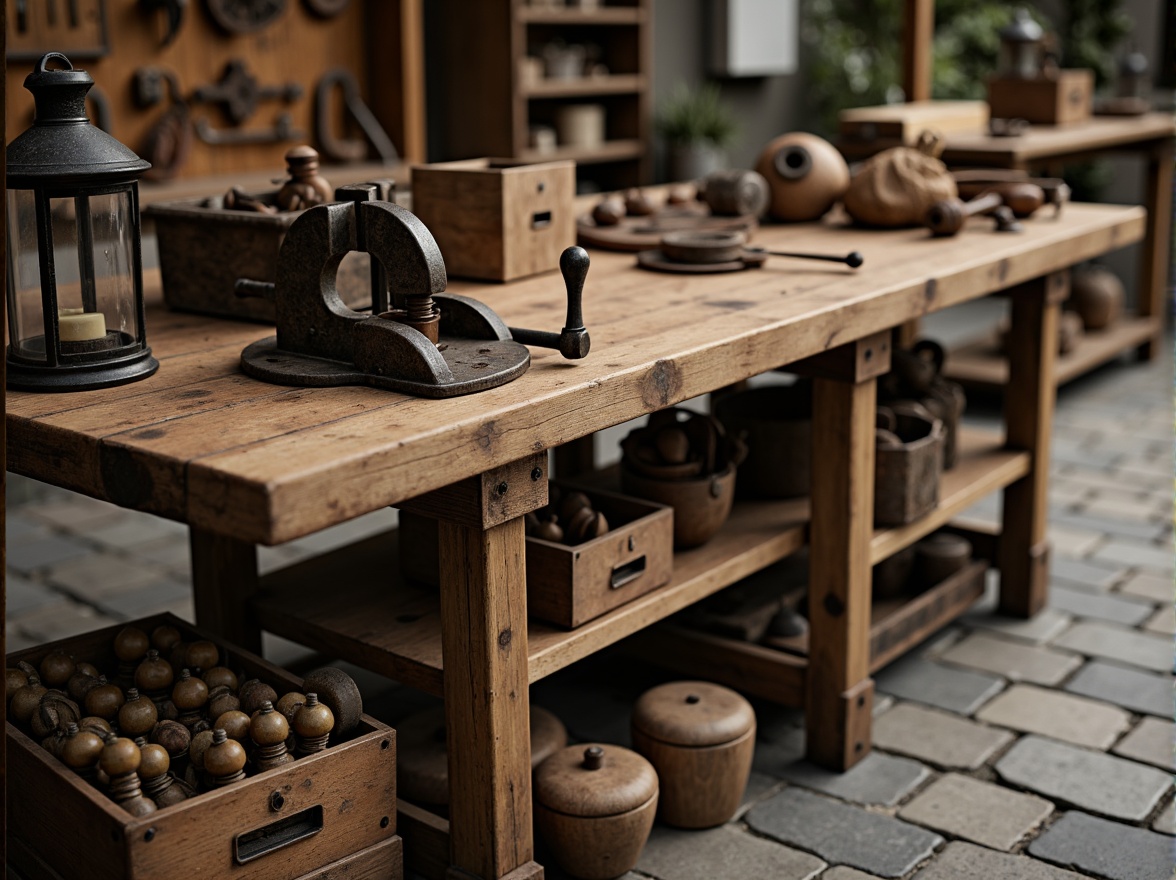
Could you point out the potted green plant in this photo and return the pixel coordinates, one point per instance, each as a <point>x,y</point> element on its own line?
<point>697,129</point>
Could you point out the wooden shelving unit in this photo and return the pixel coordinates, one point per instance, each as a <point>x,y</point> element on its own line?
<point>373,617</point>
<point>490,111</point>
<point>980,364</point>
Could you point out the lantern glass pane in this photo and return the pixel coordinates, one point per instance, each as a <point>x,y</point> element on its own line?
<point>113,233</point>
<point>25,321</point>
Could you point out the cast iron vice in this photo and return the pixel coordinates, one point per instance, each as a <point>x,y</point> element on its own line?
<point>417,340</point>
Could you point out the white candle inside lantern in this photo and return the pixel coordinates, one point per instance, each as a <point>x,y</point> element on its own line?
<point>77,325</point>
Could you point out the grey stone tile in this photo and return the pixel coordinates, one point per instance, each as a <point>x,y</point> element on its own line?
<point>843,873</point>
<point>957,690</point>
<point>758,786</point>
<point>1102,460</point>
<point>149,600</point>
<point>1166,822</point>
<point>1151,742</point>
<point>77,512</point>
<point>1118,643</point>
<point>1013,660</point>
<point>778,745</point>
<point>1102,606</point>
<point>173,553</point>
<point>1118,509</point>
<point>29,556</point>
<point>1084,573</point>
<point>876,779</point>
<point>1149,585</point>
<point>20,526</point>
<point>131,531</point>
<point>1131,688</point>
<point>1106,849</point>
<point>22,595</point>
<point>1136,554</point>
<point>1091,524</point>
<point>1037,630</point>
<point>843,834</point>
<point>1162,622</point>
<point>103,576</point>
<point>937,737</point>
<point>60,620</point>
<point>966,861</point>
<point>726,851</point>
<point>1089,780</point>
<point>1059,715</point>
<point>977,811</point>
<point>1074,539</point>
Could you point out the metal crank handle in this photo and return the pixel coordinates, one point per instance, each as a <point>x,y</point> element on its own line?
<point>573,341</point>
<point>853,259</point>
<point>247,288</point>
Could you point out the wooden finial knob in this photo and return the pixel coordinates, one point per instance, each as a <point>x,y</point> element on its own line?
<point>27,699</point>
<point>219,676</point>
<point>253,693</point>
<point>137,715</point>
<point>268,726</point>
<point>235,723</point>
<point>593,758</point>
<point>314,719</point>
<point>120,755</point>
<point>154,673</point>
<point>131,644</point>
<point>56,668</point>
<point>189,694</point>
<point>173,736</point>
<point>224,758</point>
<point>82,748</point>
<point>202,655</point>
<point>165,637</point>
<point>289,704</point>
<point>155,761</point>
<point>14,680</point>
<point>105,700</point>
<point>200,744</point>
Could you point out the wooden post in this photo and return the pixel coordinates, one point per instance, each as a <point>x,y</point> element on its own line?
<point>918,33</point>
<point>487,715</point>
<point>224,580</point>
<point>839,693</point>
<point>575,457</point>
<point>1154,266</point>
<point>1023,553</point>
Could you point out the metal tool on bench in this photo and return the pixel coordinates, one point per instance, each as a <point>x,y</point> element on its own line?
<point>722,251</point>
<point>419,340</point>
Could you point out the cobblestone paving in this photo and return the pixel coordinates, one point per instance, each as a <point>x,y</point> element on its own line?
<point>1005,749</point>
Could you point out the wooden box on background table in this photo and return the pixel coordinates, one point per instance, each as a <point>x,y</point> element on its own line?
<point>497,219</point>
<point>326,815</point>
<point>570,585</point>
<point>1067,98</point>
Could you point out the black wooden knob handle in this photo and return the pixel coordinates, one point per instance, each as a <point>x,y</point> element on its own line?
<point>573,263</point>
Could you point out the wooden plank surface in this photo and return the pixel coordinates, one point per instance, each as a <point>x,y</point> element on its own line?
<point>267,464</point>
<point>1042,142</point>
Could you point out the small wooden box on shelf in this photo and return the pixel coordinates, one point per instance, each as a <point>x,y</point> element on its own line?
<point>571,585</point>
<point>332,813</point>
<point>1068,97</point>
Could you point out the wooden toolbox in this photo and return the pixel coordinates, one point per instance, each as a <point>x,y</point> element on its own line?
<point>1067,98</point>
<point>497,219</point>
<point>331,814</point>
<point>570,585</point>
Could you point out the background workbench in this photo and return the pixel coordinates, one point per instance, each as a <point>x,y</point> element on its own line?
<point>243,463</point>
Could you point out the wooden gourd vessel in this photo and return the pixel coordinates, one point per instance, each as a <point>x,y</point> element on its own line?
<point>594,806</point>
<point>806,175</point>
<point>700,738</point>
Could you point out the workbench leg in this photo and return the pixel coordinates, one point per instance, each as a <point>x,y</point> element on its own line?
<point>1154,267</point>
<point>224,582</point>
<point>1023,553</point>
<point>575,457</point>
<point>839,693</point>
<point>487,714</point>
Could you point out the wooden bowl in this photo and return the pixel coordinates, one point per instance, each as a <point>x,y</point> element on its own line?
<point>777,422</point>
<point>701,505</point>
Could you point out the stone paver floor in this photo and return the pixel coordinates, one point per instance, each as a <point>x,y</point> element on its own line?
<point>1005,750</point>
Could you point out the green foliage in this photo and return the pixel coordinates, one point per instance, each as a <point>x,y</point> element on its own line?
<point>689,116</point>
<point>1092,31</point>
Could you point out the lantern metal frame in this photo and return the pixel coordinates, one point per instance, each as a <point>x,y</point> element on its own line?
<point>119,356</point>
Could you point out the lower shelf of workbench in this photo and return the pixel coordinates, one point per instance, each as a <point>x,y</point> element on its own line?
<point>354,604</point>
<point>980,364</point>
<point>779,675</point>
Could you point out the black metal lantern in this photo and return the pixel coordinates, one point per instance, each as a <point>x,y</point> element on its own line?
<point>1133,79</point>
<point>1020,47</point>
<point>75,277</point>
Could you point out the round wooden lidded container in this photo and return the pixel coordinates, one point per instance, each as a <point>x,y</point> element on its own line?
<point>422,764</point>
<point>700,737</point>
<point>595,805</point>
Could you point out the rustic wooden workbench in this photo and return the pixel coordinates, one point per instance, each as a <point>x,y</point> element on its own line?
<point>246,463</point>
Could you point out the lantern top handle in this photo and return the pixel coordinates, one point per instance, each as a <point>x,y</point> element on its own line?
<point>43,64</point>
